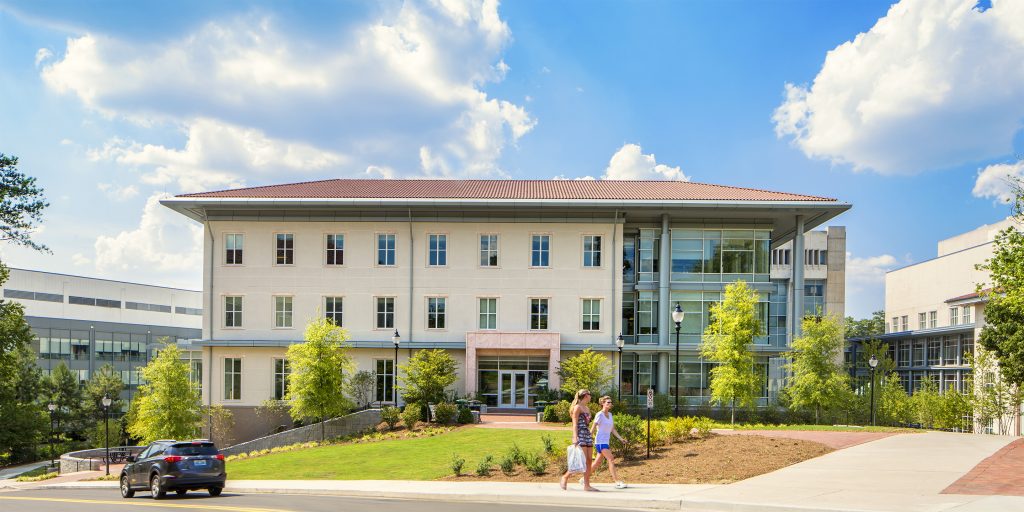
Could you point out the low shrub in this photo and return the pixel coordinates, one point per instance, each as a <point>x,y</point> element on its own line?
<point>550,414</point>
<point>483,468</point>
<point>549,444</point>
<point>562,464</point>
<point>536,464</point>
<point>634,434</point>
<point>662,405</point>
<point>390,416</point>
<point>659,433</point>
<point>411,415</point>
<point>465,416</point>
<point>507,465</point>
<point>516,454</point>
<point>457,463</point>
<point>562,411</point>
<point>37,478</point>
<point>445,412</point>
<point>703,426</point>
<point>678,429</point>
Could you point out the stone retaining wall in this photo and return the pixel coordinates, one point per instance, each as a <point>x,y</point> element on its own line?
<point>337,427</point>
<point>93,460</point>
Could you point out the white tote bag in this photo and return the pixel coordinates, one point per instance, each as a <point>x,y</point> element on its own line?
<point>576,459</point>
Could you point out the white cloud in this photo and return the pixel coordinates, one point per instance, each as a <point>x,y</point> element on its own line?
<point>78,259</point>
<point>868,270</point>
<point>933,84</point>
<point>999,181</point>
<point>163,242</point>
<point>118,192</point>
<point>43,54</point>
<point>629,163</point>
<point>378,95</point>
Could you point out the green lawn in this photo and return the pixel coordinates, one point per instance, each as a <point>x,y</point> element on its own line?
<point>425,458</point>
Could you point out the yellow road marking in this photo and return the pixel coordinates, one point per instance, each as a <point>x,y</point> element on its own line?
<point>138,503</point>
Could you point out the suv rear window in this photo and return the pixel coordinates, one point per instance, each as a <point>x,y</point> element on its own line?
<point>193,449</point>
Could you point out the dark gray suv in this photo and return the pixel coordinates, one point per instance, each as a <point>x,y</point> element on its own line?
<point>178,466</point>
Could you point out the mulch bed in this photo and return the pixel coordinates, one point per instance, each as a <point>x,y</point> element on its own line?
<point>713,460</point>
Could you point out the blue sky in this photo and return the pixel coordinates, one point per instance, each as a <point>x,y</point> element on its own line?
<point>912,112</point>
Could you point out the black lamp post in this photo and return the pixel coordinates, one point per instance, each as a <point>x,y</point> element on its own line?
<point>619,342</point>
<point>677,317</point>
<point>396,339</point>
<point>106,429</point>
<point>873,363</point>
<point>51,408</point>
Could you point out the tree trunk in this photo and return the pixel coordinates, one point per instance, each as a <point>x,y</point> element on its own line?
<point>732,417</point>
<point>323,428</point>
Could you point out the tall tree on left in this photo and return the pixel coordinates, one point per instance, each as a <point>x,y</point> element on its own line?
<point>22,414</point>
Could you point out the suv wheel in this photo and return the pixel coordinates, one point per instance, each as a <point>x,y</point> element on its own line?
<point>155,488</point>
<point>126,489</point>
<point>215,491</point>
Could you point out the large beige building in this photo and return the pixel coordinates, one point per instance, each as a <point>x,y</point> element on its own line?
<point>509,276</point>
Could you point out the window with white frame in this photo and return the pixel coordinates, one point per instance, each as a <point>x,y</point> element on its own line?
<point>488,250</point>
<point>538,314</point>
<point>384,370</point>
<point>592,251</point>
<point>488,313</point>
<point>284,249</point>
<point>282,311</point>
<point>233,245</point>
<point>385,249</point>
<point>954,315</point>
<point>933,319</point>
<point>905,323</point>
<point>232,378</point>
<point>895,324</point>
<point>281,371</point>
<point>336,249</point>
<point>437,250</point>
<point>436,312</point>
<point>591,314</point>
<point>333,309</point>
<point>385,313</point>
<point>922,320</point>
<point>233,311</point>
<point>967,314</point>
<point>540,251</point>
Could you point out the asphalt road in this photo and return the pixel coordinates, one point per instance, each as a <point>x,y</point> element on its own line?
<point>73,500</point>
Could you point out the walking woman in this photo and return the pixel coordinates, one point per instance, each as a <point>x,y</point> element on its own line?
<point>605,427</point>
<point>581,435</point>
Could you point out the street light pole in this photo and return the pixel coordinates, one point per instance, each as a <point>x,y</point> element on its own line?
<point>106,430</point>
<point>677,317</point>
<point>396,339</point>
<point>619,342</point>
<point>873,363</point>
<point>51,408</point>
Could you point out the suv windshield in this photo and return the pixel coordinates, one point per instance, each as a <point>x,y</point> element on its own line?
<point>193,449</point>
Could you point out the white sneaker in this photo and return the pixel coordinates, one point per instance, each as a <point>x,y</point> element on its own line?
<point>620,485</point>
<point>581,480</point>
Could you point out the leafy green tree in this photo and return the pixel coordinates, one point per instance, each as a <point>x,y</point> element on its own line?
<point>995,399</point>
<point>21,205</point>
<point>927,403</point>
<point>588,370</point>
<point>222,421</point>
<point>894,406</point>
<point>23,420</point>
<point>105,382</point>
<point>64,391</point>
<point>818,379</point>
<point>727,341</point>
<point>955,411</point>
<point>865,327</point>
<point>880,350</point>
<point>426,376</point>
<point>316,385</point>
<point>167,406</point>
<point>362,386</point>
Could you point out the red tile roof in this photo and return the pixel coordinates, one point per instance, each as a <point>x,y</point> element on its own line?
<point>506,189</point>
<point>973,295</point>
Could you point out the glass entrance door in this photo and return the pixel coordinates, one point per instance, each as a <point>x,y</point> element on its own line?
<point>512,389</point>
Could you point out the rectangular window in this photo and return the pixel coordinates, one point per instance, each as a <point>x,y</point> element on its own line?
<point>385,250</point>
<point>538,314</point>
<point>647,317</point>
<point>592,251</point>
<point>195,374</point>
<point>284,249</point>
<point>647,271</point>
<point>333,309</point>
<point>922,320</point>
<point>905,322</point>
<point>904,359</point>
<point>281,371</point>
<point>540,251</point>
<point>488,250</point>
<point>336,249</point>
<point>384,370</point>
<point>233,245</point>
<point>954,315</point>
<point>436,312</point>
<point>385,313</point>
<point>591,314</point>
<point>895,324</point>
<point>919,352</point>
<point>232,378</point>
<point>488,313</point>
<point>950,351</point>
<point>282,311</point>
<point>233,311</point>
<point>967,314</point>
<point>966,347</point>
<point>933,319</point>
<point>437,250</point>
<point>934,351</point>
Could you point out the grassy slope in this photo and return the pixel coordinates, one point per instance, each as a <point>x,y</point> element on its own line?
<point>409,459</point>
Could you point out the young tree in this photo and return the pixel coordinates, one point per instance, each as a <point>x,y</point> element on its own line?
<point>1003,334</point>
<point>995,399</point>
<point>22,416</point>
<point>588,370</point>
<point>880,350</point>
<point>894,405</point>
<point>727,341</point>
<point>955,410</point>
<point>818,379</point>
<point>21,205</point>
<point>167,406</point>
<point>362,386</point>
<point>222,421</point>
<point>424,378</point>
<point>927,404</point>
<point>865,327</point>
<point>316,385</point>
<point>105,382</point>
<point>64,391</point>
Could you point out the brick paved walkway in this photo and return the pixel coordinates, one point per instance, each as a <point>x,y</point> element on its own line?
<point>1000,474</point>
<point>832,439</point>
